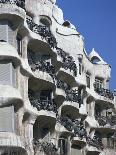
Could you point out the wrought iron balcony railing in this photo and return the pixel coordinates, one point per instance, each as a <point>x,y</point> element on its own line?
<point>62,85</point>
<point>103,120</point>
<point>104,92</point>
<point>96,141</point>
<point>48,105</point>
<point>19,3</point>
<point>66,122</point>
<point>47,147</point>
<point>73,96</point>
<point>41,65</point>
<point>43,31</point>
<point>79,129</point>
<point>69,63</point>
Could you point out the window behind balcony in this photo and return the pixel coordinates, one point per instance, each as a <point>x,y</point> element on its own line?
<point>7,74</point>
<point>63,146</point>
<point>88,80</point>
<point>19,44</point>
<point>98,83</point>
<point>45,95</point>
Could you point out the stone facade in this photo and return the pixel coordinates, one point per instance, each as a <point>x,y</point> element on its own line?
<point>55,98</point>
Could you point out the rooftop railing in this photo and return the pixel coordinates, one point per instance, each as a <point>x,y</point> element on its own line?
<point>43,31</point>
<point>19,3</point>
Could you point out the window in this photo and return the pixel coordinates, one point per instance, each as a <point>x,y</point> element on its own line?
<point>45,95</point>
<point>19,44</point>
<point>45,21</point>
<point>7,74</point>
<point>110,141</point>
<point>98,83</point>
<point>88,80</point>
<point>80,68</point>
<point>63,146</point>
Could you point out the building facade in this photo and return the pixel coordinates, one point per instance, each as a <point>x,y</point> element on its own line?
<point>55,99</point>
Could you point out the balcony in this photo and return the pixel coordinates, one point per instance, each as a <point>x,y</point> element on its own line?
<point>13,10</point>
<point>43,31</point>
<point>47,105</point>
<point>105,95</point>
<point>64,125</point>
<point>80,134</point>
<point>44,74</point>
<point>60,94</point>
<point>68,72</point>
<point>46,110</point>
<point>12,144</point>
<point>106,123</point>
<point>72,103</point>
<point>19,3</point>
<point>94,145</point>
<point>46,147</point>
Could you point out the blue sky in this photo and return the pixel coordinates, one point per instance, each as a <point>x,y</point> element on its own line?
<point>96,21</point>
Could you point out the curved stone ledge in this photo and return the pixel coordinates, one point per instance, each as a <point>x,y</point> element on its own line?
<point>60,96</point>
<point>66,76</point>
<point>8,52</point>
<point>92,150</point>
<point>46,118</point>
<point>62,130</point>
<point>79,142</point>
<point>72,108</point>
<point>41,80</point>
<point>13,13</point>
<point>106,102</point>
<point>11,140</point>
<point>6,97</point>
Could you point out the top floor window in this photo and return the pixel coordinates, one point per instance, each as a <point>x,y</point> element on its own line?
<point>98,83</point>
<point>88,80</point>
<point>19,44</point>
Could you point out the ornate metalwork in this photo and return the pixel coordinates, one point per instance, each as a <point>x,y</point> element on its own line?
<point>69,63</point>
<point>96,141</point>
<point>79,129</point>
<point>43,31</point>
<point>73,96</point>
<point>62,85</point>
<point>66,122</point>
<point>19,3</point>
<point>48,105</point>
<point>103,120</point>
<point>41,65</point>
<point>47,147</point>
<point>104,92</point>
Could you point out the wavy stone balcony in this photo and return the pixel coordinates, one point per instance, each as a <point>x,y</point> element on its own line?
<point>94,145</point>
<point>68,71</point>
<point>106,96</point>
<point>8,52</point>
<point>44,32</point>
<point>46,147</point>
<point>7,98</point>
<point>71,104</point>
<point>64,125</point>
<point>13,10</point>
<point>10,142</point>
<point>80,134</point>
<point>60,94</point>
<point>44,76</point>
<point>47,110</point>
<point>106,124</point>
